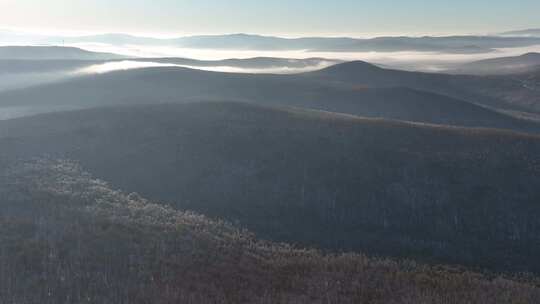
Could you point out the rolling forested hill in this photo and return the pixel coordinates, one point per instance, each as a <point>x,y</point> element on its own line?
<point>352,88</point>
<point>439,194</point>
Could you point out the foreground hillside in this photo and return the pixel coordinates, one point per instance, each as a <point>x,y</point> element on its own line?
<point>69,238</point>
<point>381,187</point>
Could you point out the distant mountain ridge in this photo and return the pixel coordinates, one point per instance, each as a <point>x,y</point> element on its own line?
<point>528,32</point>
<point>520,92</point>
<point>52,53</point>
<point>250,63</point>
<point>22,59</point>
<point>355,88</point>
<point>451,44</point>
<point>502,65</point>
<point>446,44</point>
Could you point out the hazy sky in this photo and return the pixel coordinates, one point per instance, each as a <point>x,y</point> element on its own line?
<point>284,17</point>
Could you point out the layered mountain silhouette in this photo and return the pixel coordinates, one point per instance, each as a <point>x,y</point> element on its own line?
<point>450,44</point>
<point>519,92</point>
<point>10,67</point>
<point>52,53</point>
<point>250,63</point>
<point>39,59</point>
<point>527,32</point>
<point>356,88</point>
<point>446,44</point>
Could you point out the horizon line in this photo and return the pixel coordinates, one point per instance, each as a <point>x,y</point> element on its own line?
<point>163,36</point>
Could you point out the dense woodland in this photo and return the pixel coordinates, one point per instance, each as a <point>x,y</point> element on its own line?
<point>437,194</point>
<point>69,238</point>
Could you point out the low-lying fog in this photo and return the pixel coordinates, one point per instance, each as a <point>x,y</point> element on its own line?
<point>414,60</point>
<point>131,64</point>
<point>11,112</point>
<point>19,80</point>
<point>422,61</point>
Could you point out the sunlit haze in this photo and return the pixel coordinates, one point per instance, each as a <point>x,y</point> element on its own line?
<point>261,152</point>
<point>285,18</point>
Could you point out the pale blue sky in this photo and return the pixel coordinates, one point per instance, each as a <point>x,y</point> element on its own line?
<point>285,17</point>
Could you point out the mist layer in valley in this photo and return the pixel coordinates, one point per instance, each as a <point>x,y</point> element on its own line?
<point>45,62</point>
<point>27,66</point>
<point>426,53</point>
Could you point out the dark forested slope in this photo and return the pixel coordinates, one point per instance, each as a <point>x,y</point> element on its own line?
<point>514,92</point>
<point>464,196</point>
<point>342,91</point>
<point>69,238</point>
